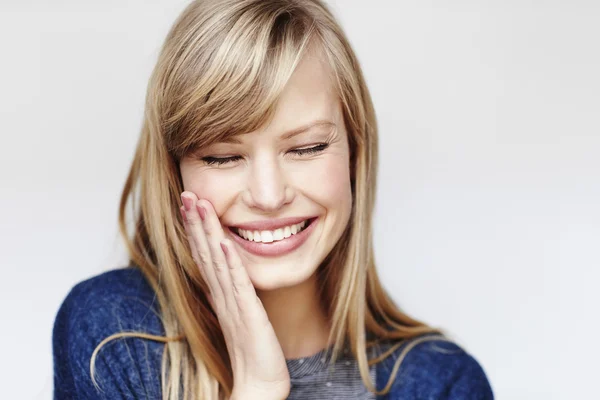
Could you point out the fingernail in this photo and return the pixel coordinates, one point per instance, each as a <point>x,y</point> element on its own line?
<point>182,211</point>
<point>224,248</point>
<point>187,202</point>
<point>201,211</point>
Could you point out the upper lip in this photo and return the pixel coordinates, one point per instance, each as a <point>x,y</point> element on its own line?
<point>270,224</point>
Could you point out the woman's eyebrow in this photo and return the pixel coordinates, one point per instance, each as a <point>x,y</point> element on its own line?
<point>291,133</point>
<point>321,122</point>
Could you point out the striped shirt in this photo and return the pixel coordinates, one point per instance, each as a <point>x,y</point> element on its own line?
<point>314,378</point>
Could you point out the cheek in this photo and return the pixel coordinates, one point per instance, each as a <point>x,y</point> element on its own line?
<point>328,181</point>
<point>213,187</point>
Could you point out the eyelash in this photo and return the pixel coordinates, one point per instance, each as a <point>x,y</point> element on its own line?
<point>224,160</point>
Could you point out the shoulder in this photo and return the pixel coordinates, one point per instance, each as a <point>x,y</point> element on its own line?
<point>116,301</point>
<point>432,367</point>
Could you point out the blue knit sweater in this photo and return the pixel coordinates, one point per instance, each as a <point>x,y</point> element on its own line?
<point>121,300</point>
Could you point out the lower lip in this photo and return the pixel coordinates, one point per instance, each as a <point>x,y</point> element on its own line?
<point>277,248</point>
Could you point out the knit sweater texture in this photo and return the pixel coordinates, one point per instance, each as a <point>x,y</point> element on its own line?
<point>121,300</point>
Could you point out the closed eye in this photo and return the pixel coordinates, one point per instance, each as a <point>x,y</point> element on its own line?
<point>220,161</point>
<point>311,150</point>
<point>225,160</point>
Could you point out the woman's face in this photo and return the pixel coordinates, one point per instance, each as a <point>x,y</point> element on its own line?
<point>266,179</point>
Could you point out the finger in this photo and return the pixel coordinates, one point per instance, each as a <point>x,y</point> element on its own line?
<point>190,239</point>
<point>202,255</point>
<point>214,235</point>
<point>244,293</point>
<point>211,301</point>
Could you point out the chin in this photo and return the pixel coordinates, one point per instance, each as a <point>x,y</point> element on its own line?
<point>273,277</point>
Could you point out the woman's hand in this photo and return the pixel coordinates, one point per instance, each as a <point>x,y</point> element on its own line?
<point>259,367</point>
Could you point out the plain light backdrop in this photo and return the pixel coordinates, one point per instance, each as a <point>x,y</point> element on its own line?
<point>487,219</point>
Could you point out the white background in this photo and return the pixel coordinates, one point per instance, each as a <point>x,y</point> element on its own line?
<point>488,217</point>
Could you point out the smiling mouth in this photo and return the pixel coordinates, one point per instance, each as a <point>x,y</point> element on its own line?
<point>274,236</point>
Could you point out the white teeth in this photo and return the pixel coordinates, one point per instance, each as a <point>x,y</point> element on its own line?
<point>278,234</point>
<point>266,236</point>
<point>272,236</point>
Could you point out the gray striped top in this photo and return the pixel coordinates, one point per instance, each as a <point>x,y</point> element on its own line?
<point>313,378</point>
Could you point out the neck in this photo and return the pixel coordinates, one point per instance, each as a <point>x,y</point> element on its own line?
<point>298,318</point>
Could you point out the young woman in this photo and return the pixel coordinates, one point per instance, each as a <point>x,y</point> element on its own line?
<point>251,270</point>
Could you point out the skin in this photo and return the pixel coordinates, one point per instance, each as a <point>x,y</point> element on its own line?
<point>268,307</point>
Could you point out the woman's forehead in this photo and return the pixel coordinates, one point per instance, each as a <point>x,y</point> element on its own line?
<point>308,102</point>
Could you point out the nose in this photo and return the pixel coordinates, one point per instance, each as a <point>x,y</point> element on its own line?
<point>267,189</point>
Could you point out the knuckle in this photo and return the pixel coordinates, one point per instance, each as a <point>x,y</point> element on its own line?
<point>220,265</point>
<point>203,258</point>
<point>192,220</point>
<point>207,229</point>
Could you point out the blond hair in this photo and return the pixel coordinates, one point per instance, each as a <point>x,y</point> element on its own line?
<point>220,73</point>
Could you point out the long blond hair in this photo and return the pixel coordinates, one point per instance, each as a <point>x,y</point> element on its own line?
<point>220,73</point>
